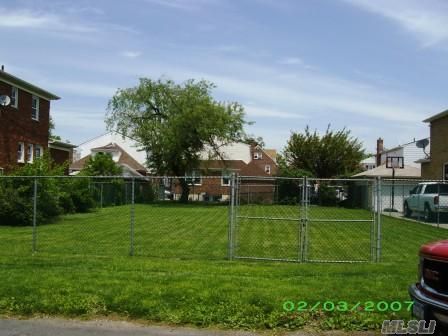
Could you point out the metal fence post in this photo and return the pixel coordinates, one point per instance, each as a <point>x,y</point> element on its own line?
<point>231,216</point>
<point>131,250</point>
<point>35,216</point>
<point>378,225</point>
<point>302,218</point>
<point>303,228</point>
<point>101,194</point>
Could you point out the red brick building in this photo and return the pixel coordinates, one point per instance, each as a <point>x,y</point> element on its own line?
<point>24,124</point>
<point>255,166</point>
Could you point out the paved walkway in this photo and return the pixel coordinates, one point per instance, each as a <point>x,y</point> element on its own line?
<point>443,225</point>
<point>60,327</point>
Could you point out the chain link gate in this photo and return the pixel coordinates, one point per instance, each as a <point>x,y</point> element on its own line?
<point>304,220</point>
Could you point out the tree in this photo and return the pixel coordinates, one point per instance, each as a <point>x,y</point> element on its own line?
<point>334,154</point>
<point>175,123</point>
<point>101,165</point>
<point>51,129</point>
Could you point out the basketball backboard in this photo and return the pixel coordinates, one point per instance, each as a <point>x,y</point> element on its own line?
<point>396,162</point>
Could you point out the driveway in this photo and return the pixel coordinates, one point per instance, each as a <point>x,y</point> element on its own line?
<point>57,327</point>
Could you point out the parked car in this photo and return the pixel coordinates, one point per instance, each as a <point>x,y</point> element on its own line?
<point>430,293</point>
<point>428,199</point>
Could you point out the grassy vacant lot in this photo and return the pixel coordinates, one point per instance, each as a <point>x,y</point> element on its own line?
<point>82,267</point>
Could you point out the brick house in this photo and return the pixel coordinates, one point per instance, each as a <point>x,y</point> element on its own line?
<point>61,152</point>
<point>436,166</point>
<point>24,124</point>
<point>256,167</point>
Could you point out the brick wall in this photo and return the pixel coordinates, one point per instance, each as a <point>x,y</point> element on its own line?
<point>439,150</point>
<point>17,126</point>
<point>260,164</point>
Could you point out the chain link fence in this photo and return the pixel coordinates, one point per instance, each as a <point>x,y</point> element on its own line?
<point>115,216</point>
<point>305,220</point>
<point>237,217</point>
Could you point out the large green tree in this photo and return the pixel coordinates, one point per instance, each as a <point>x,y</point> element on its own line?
<point>333,154</point>
<point>175,123</point>
<point>101,164</point>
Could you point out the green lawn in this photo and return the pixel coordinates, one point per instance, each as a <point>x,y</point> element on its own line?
<point>179,273</point>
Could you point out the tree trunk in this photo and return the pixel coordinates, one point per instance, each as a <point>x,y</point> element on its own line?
<point>185,190</point>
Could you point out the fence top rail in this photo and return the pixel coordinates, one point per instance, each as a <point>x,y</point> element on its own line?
<point>259,178</point>
<point>413,180</point>
<point>370,180</point>
<point>148,177</point>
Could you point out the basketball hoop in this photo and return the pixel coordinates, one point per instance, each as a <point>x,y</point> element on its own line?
<point>395,162</point>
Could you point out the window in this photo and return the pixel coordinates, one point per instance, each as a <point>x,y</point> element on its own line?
<point>14,97</point>
<point>35,108</point>
<point>194,178</point>
<point>225,179</point>
<point>38,151</point>
<point>1,171</point>
<point>436,189</point>
<point>257,156</point>
<point>21,152</point>
<point>267,169</point>
<point>29,153</point>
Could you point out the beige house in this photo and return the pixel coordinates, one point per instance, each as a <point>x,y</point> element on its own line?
<point>436,166</point>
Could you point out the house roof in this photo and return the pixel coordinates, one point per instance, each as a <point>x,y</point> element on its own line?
<point>60,144</point>
<point>125,159</point>
<point>369,160</point>
<point>24,85</point>
<point>387,150</point>
<point>436,116</point>
<point>272,153</point>
<point>382,171</point>
<point>109,147</point>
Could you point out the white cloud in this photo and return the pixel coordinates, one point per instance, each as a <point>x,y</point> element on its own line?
<point>262,112</point>
<point>291,61</point>
<point>289,93</point>
<point>61,23</point>
<point>36,20</point>
<point>86,89</point>
<point>131,54</point>
<point>325,95</point>
<point>427,20</point>
<point>182,4</point>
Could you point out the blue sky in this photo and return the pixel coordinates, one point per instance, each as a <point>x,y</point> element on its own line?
<point>376,67</point>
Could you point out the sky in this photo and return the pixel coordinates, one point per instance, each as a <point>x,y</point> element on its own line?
<point>377,68</point>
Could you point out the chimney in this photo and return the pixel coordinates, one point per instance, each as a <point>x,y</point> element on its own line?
<point>379,150</point>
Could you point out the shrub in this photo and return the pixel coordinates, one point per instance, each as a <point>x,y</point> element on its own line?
<point>55,196</point>
<point>327,196</point>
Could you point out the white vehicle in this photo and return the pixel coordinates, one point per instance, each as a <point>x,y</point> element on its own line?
<point>429,199</point>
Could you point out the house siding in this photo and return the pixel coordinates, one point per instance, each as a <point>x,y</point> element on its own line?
<point>16,125</point>
<point>439,150</point>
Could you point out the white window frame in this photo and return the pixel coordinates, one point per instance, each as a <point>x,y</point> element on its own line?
<point>258,156</point>
<point>445,166</point>
<point>21,157</point>
<point>30,153</point>
<point>193,176</point>
<point>36,148</point>
<point>225,175</point>
<point>267,169</point>
<point>14,96</point>
<point>35,109</point>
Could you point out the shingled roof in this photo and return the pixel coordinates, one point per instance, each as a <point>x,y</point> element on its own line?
<point>124,159</point>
